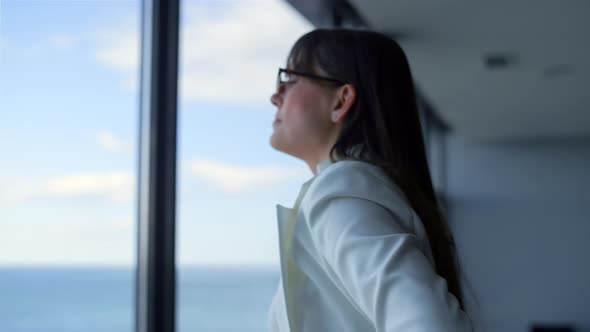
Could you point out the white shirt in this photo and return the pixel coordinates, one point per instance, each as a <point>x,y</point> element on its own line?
<point>355,257</point>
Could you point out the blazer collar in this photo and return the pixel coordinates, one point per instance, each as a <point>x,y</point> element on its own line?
<point>323,165</point>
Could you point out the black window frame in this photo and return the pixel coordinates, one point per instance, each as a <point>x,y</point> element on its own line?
<point>155,287</point>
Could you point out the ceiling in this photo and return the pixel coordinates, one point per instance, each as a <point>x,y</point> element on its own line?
<point>492,71</point>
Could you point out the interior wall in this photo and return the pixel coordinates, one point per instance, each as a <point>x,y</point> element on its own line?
<point>520,214</point>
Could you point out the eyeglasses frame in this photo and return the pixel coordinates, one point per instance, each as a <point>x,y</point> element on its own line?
<point>312,76</point>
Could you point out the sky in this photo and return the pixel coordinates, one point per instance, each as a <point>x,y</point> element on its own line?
<point>69,125</point>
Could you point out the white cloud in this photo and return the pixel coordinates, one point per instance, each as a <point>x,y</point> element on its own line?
<point>233,57</point>
<point>229,50</point>
<point>253,241</point>
<point>62,42</point>
<point>37,229</point>
<point>114,185</point>
<point>73,239</point>
<point>118,49</point>
<point>43,48</point>
<point>118,186</point>
<point>234,179</point>
<point>110,142</point>
<point>123,52</point>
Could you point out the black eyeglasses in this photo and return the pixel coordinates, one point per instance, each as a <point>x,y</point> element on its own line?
<point>285,76</point>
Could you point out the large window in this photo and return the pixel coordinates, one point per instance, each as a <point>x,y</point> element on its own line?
<point>69,101</point>
<point>229,178</point>
<point>68,128</point>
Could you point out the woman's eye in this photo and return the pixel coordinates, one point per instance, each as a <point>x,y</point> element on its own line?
<point>287,78</point>
<point>290,79</point>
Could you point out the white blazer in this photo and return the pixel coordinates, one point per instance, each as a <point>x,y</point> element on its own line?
<point>355,257</point>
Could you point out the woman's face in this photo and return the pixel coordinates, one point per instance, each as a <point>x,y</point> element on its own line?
<point>303,127</point>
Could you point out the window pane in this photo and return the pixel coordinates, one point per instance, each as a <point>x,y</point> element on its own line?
<point>230,179</point>
<point>68,127</point>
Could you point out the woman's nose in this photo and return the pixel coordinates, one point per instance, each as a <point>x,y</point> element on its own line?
<point>275,99</point>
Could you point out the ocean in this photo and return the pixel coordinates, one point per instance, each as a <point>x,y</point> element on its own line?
<point>101,299</point>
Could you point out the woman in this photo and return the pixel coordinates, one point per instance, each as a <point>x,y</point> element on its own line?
<point>365,247</point>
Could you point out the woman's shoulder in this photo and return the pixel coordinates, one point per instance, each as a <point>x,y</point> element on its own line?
<point>349,164</point>
<point>357,179</point>
<point>354,169</point>
<point>343,174</point>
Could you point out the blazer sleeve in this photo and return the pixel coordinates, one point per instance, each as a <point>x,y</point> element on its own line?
<point>381,267</point>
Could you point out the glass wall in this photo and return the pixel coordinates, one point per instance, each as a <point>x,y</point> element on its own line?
<point>68,128</point>
<point>229,178</point>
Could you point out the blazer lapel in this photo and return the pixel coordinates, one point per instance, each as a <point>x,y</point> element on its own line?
<point>287,220</point>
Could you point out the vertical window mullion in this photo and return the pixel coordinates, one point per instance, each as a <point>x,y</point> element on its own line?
<point>156,275</point>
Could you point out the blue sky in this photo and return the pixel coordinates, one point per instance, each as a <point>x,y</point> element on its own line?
<point>69,109</point>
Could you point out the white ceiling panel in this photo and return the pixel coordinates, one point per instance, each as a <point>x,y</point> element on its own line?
<point>543,90</point>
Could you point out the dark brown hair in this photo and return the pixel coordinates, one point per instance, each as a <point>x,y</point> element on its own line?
<point>383,127</point>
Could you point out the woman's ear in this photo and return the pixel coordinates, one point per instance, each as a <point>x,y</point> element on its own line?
<point>344,100</point>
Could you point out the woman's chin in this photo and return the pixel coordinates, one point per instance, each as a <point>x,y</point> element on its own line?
<point>273,142</point>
